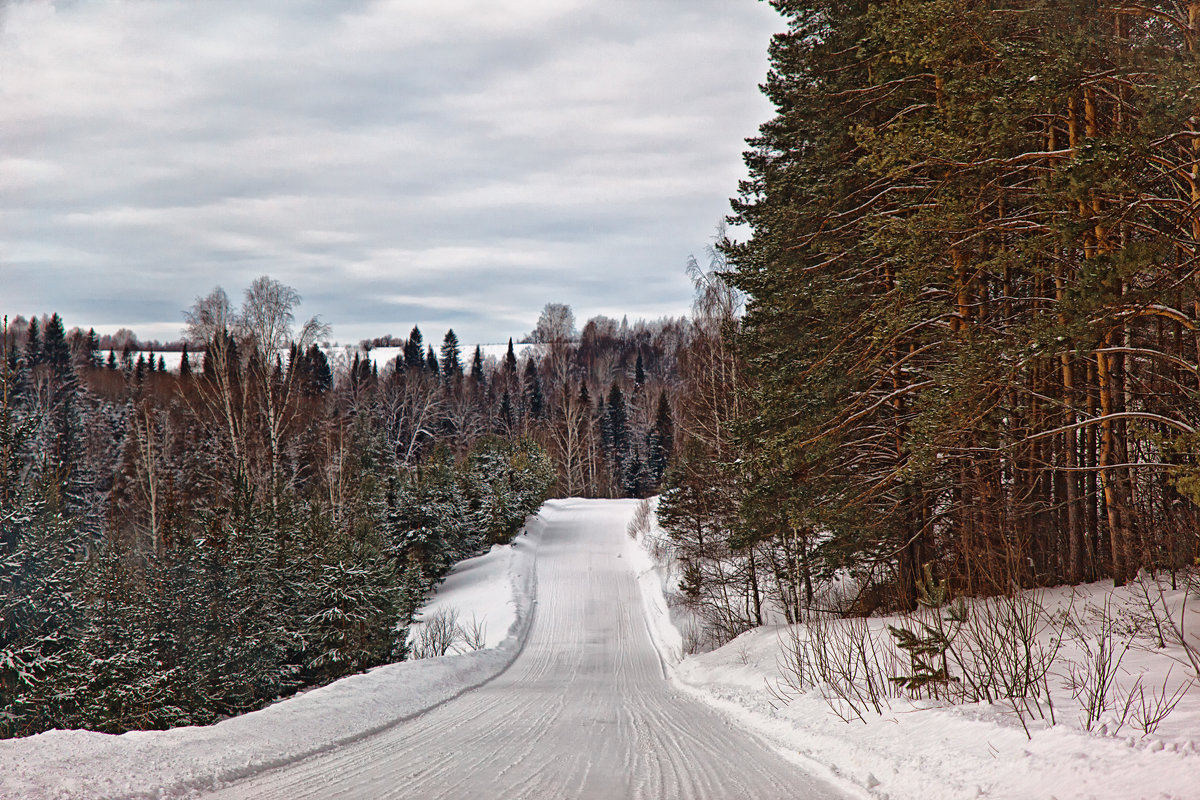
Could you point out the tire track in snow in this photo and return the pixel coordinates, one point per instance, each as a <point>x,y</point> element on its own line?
<point>584,711</point>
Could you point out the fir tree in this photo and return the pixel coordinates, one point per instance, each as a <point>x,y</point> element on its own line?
<point>510,363</point>
<point>92,348</point>
<point>478,379</point>
<point>33,344</point>
<point>660,442</point>
<point>451,364</point>
<point>616,427</point>
<point>414,355</point>
<point>535,399</point>
<point>506,412</point>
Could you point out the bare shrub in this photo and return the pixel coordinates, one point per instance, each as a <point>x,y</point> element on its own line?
<point>694,637</point>
<point>437,635</point>
<point>1093,681</point>
<point>1008,648</point>
<point>1171,629</point>
<point>473,634</point>
<point>1150,710</point>
<point>640,524</point>
<point>842,658</point>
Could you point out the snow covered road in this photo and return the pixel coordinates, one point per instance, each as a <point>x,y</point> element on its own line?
<point>585,710</point>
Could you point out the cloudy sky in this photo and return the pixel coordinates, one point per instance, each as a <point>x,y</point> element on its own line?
<point>452,163</point>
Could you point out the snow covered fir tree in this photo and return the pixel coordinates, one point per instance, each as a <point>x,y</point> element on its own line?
<point>181,546</point>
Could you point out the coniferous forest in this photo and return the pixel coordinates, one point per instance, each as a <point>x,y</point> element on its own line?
<point>176,547</point>
<point>969,352</point>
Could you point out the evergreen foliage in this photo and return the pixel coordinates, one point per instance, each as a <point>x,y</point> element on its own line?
<point>971,335</point>
<point>451,361</point>
<point>183,549</point>
<point>414,346</point>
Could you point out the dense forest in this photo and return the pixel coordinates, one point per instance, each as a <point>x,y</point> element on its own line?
<point>957,346</point>
<point>178,546</point>
<point>969,352</point>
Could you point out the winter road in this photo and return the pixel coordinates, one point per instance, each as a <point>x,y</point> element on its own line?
<point>583,712</point>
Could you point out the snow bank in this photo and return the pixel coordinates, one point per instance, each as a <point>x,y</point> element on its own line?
<point>934,751</point>
<point>183,761</point>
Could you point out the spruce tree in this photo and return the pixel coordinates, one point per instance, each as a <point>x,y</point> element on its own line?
<point>92,348</point>
<point>185,366</point>
<point>451,363</point>
<point>506,416</point>
<point>55,350</point>
<point>510,363</point>
<point>414,351</point>
<point>477,376</point>
<point>660,442</point>
<point>616,427</point>
<point>535,399</point>
<point>431,361</point>
<point>33,344</point>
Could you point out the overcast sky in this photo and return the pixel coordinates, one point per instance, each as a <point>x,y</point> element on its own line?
<point>452,163</point>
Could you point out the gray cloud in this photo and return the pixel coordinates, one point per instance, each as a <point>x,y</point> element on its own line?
<point>460,162</point>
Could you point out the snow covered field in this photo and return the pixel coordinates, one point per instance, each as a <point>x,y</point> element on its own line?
<point>184,761</point>
<point>931,750</point>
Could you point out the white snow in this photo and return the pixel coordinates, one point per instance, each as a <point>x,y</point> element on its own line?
<point>479,590</point>
<point>585,668</point>
<point>930,750</point>
<point>584,711</point>
<point>179,762</point>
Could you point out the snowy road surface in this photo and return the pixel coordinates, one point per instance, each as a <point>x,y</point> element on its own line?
<point>584,712</point>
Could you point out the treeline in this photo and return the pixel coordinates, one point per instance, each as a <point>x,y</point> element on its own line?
<point>971,335</point>
<point>177,547</point>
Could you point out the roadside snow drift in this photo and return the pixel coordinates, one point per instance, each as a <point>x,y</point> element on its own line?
<point>935,751</point>
<point>179,762</point>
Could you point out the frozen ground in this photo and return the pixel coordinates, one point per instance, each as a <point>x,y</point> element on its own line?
<point>581,707</point>
<point>185,761</point>
<point>583,712</point>
<point>923,749</point>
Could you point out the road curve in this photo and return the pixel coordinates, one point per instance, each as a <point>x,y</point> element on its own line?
<point>583,712</point>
